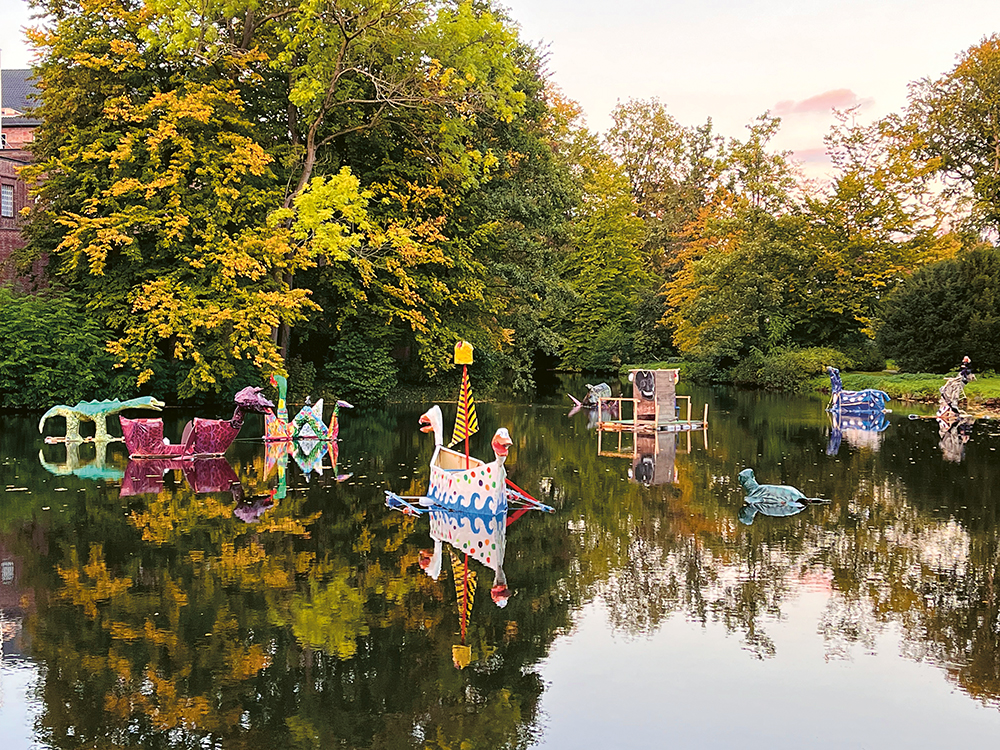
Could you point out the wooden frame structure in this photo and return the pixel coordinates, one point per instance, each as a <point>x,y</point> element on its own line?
<point>653,405</point>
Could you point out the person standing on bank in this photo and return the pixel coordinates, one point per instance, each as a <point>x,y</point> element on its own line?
<point>965,371</point>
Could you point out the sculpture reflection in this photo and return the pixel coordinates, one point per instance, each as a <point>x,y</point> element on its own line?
<point>145,476</point>
<point>860,429</point>
<point>954,432</point>
<point>481,538</point>
<point>97,469</point>
<point>777,500</point>
<point>307,453</point>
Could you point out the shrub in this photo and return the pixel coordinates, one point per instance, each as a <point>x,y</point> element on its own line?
<point>361,371</point>
<point>945,311</point>
<point>787,369</point>
<point>51,352</point>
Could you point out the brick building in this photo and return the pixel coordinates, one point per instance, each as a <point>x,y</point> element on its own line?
<point>17,130</point>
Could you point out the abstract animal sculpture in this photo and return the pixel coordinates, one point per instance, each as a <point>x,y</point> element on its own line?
<point>771,499</point>
<point>594,392</point>
<point>307,424</point>
<point>201,437</point>
<point>96,412</point>
<point>465,483</point>
<point>866,400</point>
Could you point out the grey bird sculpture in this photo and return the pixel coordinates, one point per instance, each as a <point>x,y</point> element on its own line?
<point>771,499</point>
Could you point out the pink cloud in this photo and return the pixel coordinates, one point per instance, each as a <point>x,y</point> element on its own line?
<point>835,99</point>
<point>812,155</point>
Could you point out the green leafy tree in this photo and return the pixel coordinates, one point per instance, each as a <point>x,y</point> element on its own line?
<point>152,200</point>
<point>607,269</point>
<point>879,221</point>
<point>198,161</point>
<point>741,264</point>
<point>955,122</point>
<point>944,312</point>
<point>51,351</point>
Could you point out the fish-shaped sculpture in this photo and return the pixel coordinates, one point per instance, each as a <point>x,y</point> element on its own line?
<point>771,499</point>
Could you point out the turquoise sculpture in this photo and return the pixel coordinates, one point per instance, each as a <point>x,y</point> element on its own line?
<point>96,412</point>
<point>771,499</point>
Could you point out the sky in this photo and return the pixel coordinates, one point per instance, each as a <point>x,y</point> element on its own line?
<point>726,59</point>
<point>732,60</point>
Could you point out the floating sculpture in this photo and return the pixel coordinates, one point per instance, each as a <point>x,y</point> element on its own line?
<point>866,400</point>
<point>594,392</point>
<point>462,482</point>
<point>476,489</point>
<point>201,437</point>
<point>96,412</point>
<point>481,489</point>
<point>307,424</point>
<point>771,499</point>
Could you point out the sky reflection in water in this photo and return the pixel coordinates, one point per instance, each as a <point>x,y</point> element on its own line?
<point>642,610</point>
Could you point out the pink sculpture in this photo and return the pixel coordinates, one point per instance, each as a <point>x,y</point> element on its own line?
<point>145,475</point>
<point>201,437</point>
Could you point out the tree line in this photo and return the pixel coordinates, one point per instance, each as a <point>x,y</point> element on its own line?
<point>341,190</point>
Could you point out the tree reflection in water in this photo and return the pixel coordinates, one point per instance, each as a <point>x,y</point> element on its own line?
<point>164,621</point>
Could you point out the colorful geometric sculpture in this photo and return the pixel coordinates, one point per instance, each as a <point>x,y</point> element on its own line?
<point>307,424</point>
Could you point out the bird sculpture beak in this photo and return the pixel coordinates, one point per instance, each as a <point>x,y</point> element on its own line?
<point>425,423</point>
<point>272,381</point>
<point>501,445</point>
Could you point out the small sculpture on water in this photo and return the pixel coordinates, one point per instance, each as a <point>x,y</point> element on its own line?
<point>771,499</point>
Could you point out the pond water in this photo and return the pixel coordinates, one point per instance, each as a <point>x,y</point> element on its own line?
<point>246,605</point>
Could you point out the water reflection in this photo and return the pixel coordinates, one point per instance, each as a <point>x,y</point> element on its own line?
<point>144,476</point>
<point>98,468</point>
<point>161,620</point>
<point>861,429</point>
<point>470,537</point>
<point>954,432</point>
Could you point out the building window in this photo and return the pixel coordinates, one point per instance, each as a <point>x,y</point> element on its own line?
<point>7,571</point>
<point>7,201</point>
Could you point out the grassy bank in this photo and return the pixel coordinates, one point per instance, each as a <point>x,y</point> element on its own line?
<point>921,386</point>
<point>802,371</point>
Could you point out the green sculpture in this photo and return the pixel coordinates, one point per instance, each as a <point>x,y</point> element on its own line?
<point>98,469</point>
<point>96,412</point>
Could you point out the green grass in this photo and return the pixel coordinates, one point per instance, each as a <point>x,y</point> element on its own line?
<point>907,386</point>
<point>918,386</point>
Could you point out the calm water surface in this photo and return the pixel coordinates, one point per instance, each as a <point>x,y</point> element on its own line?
<point>242,605</point>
